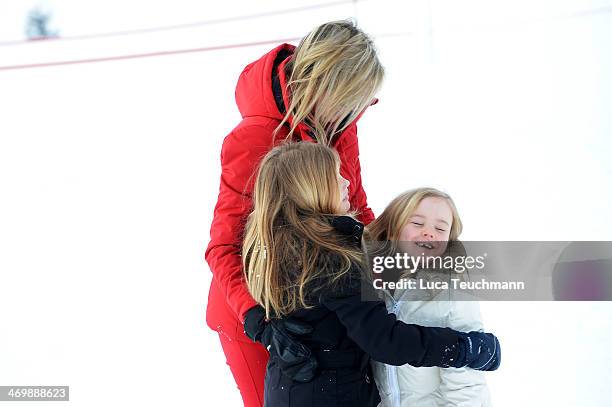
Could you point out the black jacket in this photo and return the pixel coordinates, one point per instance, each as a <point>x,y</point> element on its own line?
<point>347,331</point>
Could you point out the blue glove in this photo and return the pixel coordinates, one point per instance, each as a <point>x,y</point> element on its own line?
<point>478,350</point>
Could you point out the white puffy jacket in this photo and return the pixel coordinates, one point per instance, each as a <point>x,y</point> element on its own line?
<point>408,386</point>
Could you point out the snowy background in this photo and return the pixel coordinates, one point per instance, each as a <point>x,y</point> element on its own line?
<point>109,173</point>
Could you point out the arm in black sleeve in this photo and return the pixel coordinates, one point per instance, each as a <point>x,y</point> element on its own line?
<point>388,340</point>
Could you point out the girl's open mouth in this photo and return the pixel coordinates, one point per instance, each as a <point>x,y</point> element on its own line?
<point>425,245</point>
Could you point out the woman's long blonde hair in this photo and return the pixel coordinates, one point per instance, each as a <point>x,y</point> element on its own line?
<point>334,75</point>
<point>289,244</point>
<point>388,226</point>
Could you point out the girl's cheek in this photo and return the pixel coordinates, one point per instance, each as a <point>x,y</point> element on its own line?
<point>408,234</point>
<point>442,236</point>
<point>444,246</point>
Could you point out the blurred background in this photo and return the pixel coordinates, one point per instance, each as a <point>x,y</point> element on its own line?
<point>112,116</point>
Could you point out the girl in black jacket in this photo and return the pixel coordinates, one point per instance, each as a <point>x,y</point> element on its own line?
<point>304,265</point>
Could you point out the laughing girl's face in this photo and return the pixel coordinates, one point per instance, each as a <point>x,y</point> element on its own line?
<point>428,228</point>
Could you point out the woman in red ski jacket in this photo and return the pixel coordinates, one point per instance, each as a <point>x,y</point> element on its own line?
<point>313,93</point>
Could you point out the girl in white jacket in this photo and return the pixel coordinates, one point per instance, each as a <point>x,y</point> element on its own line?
<point>426,221</point>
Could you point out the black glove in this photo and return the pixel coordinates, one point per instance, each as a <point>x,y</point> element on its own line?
<point>278,336</point>
<point>478,350</point>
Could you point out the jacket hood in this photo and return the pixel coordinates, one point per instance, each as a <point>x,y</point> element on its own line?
<point>349,227</point>
<point>254,94</point>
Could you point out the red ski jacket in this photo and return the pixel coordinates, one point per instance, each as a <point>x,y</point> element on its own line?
<point>261,98</point>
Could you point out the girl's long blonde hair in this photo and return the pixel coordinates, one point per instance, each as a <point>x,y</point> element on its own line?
<point>289,247</point>
<point>333,76</point>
